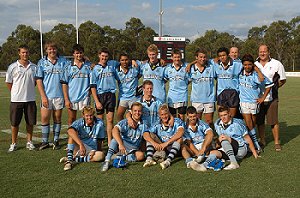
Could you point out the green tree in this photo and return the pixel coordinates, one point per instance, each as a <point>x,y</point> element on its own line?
<point>22,35</point>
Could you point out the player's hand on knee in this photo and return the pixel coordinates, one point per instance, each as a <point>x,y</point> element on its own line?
<point>122,149</point>
<point>82,150</point>
<point>45,102</point>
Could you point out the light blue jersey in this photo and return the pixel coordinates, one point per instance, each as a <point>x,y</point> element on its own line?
<point>132,136</point>
<point>249,86</point>
<point>103,78</point>
<point>89,132</point>
<point>150,110</point>
<point>229,78</point>
<point>78,81</point>
<point>198,136</point>
<point>203,86</point>
<point>178,83</point>
<point>156,76</point>
<point>51,75</point>
<point>127,82</point>
<point>164,133</point>
<point>235,129</point>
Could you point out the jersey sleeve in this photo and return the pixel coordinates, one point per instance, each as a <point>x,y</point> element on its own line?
<point>65,75</point>
<point>8,76</point>
<point>99,130</point>
<point>93,77</point>
<point>281,71</point>
<point>40,71</point>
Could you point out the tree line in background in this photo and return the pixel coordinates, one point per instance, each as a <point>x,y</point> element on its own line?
<point>282,37</point>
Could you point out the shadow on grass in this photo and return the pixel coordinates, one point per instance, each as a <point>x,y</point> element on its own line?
<point>286,133</point>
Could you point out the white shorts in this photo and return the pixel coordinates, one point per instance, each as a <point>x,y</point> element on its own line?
<point>54,104</point>
<point>198,146</point>
<point>204,107</point>
<point>126,103</point>
<point>81,104</point>
<point>249,108</point>
<point>177,104</point>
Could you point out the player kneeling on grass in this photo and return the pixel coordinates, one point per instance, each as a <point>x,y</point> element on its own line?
<point>88,134</point>
<point>163,137</point>
<point>197,139</point>
<point>127,140</point>
<point>234,139</point>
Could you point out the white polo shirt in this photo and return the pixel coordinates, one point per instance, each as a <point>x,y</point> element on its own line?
<point>269,70</point>
<point>23,82</point>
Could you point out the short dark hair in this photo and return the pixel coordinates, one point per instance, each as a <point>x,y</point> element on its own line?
<point>223,49</point>
<point>77,47</point>
<point>223,108</point>
<point>200,50</point>
<point>248,57</point>
<point>23,46</point>
<point>147,82</point>
<point>123,54</point>
<point>176,51</point>
<point>104,50</point>
<point>191,110</point>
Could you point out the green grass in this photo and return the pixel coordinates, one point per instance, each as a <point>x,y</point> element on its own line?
<point>39,174</point>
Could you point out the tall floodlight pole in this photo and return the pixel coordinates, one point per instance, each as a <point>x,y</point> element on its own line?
<point>41,34</point>
<point>77,23</point>
<point>160,17</point>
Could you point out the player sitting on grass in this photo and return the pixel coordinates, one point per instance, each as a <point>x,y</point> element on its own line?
<point>88,134</point>
<point>234,139</point>
<point>164,137</point>
<point>127,140</point>
<point>198,137</point>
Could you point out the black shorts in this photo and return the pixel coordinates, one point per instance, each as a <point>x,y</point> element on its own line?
<point>16,113</point>
<point>108,101</point>
<point>181,110</point>
<point>235,147</point>
<point>228,98</point>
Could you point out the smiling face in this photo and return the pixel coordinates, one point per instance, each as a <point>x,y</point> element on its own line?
<point>124,61</point>
<point>88,118</point>
<point>201,59</point>
<point>223,57</point>
<point>152,55</point>
<point>103,58</point>
<point>164,116</point>
<point>51,52</point>
<point>192,117</point>
<point>176,58</point>
<point>148,90</point>
<point>234,53</point>
<point>263,53</point>
<point>23,54</point>
<point>248,66</point>
<point>136,111</point>
<point>78,55</point>
<point>225,116</point>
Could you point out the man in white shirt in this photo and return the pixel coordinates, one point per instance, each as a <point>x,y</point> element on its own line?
<point>274,70</point>
<point>21,84</point>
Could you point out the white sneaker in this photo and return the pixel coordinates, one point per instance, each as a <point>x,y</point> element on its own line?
<point>68,165</point>
<point>149,163</point>
<point>105,166</point>
<point>195,166</point>
<point>63,159</point>
<point>12,147</point>
<point>30,146</point>
<point>165,164</point>
<point>232,166</point>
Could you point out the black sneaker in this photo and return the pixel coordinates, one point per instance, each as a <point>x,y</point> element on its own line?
<point>44,145</point>
<point>56,145</point>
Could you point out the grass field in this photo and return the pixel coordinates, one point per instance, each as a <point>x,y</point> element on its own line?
<point>39,174</point>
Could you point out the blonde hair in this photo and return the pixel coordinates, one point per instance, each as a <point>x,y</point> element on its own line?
<point>88,110</point>
<point>152,48</point>
<point>50,44</point>
<point>137,104</point>
<point>164,107</point>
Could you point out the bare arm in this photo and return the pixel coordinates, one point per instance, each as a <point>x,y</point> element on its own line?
<point>177,136</point>
<point>251,145</point>
<point>188,67</point>
<point>207,142</point>
<point>9,86</point>
<point>282,82</point>
<point>148,138</point>
<point>94,94</point>
<point>261,99</point>
<point>73,134</point>
<point>259,73</point>
<point>117,136</point>
<point>41,89</point>
<point>65,88</point>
